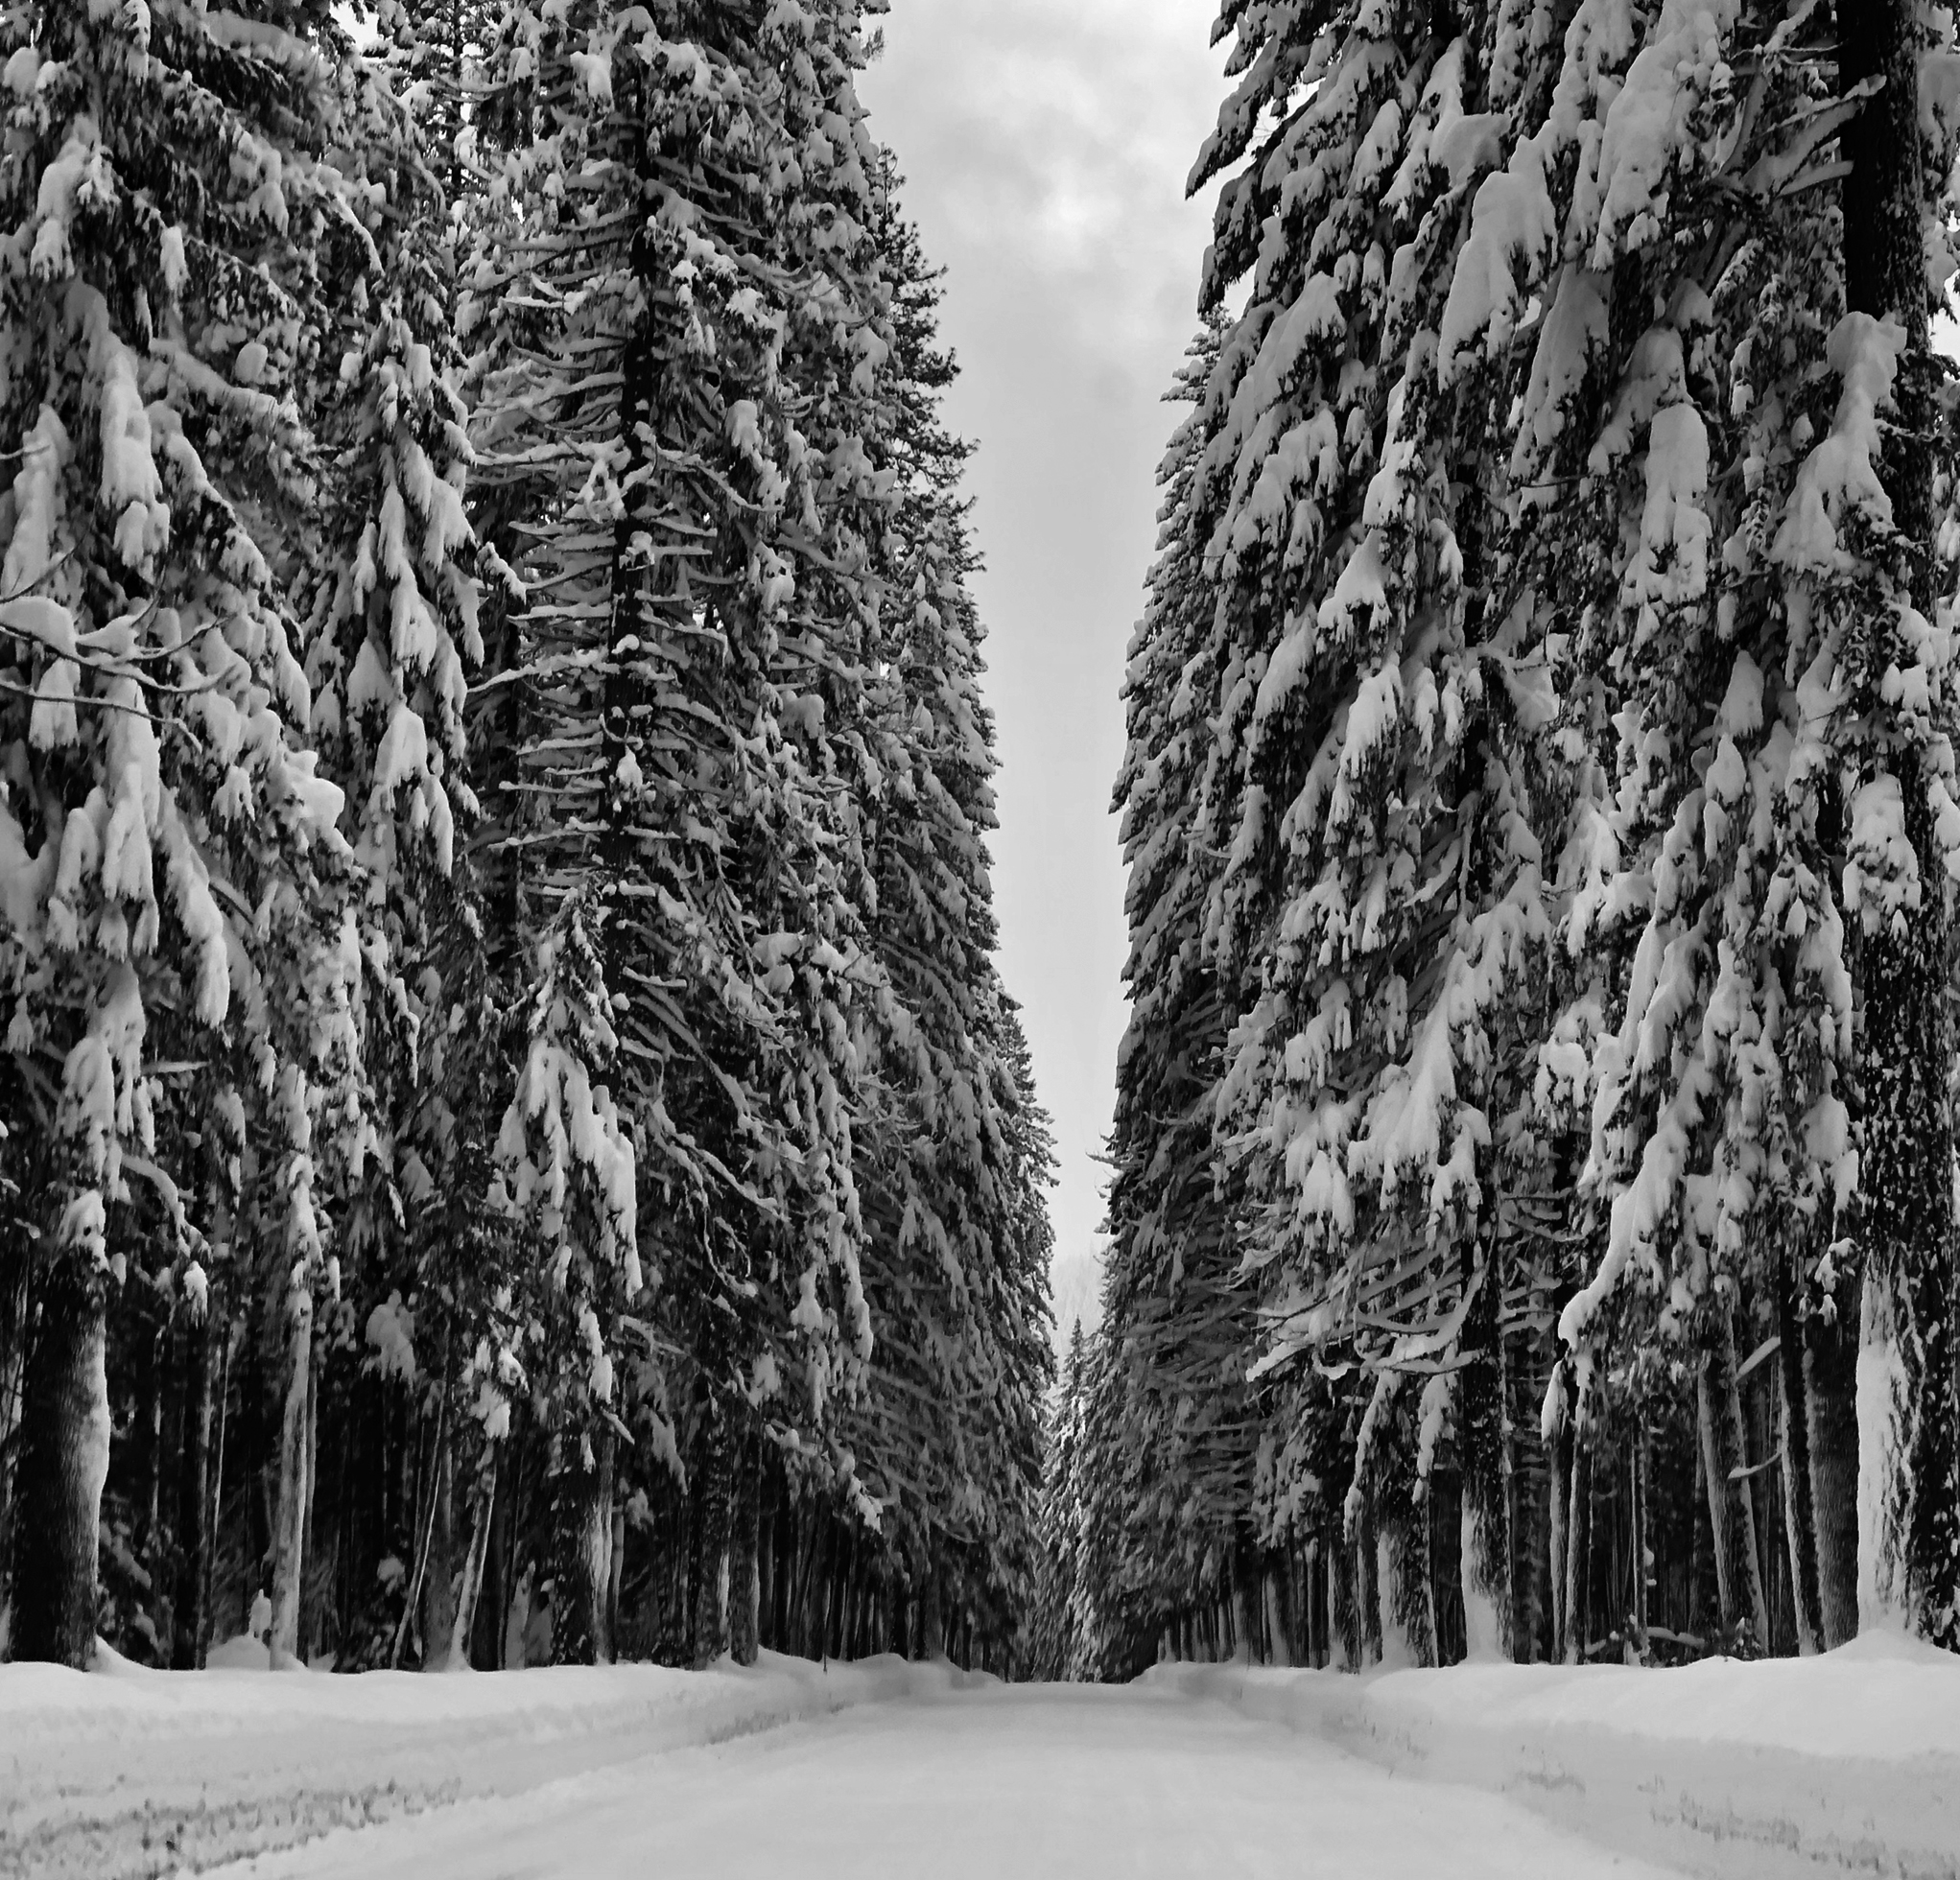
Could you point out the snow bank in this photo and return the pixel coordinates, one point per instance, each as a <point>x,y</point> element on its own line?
<point>130,1773</point>
<point>1845,1763</point>
<point>1848,1763</point>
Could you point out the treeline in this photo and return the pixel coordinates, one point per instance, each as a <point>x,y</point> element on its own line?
<point>1533,1195</point>
<point>514,1144</point>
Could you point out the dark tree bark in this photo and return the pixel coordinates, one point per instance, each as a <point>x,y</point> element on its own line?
<point>1830,1415</point>
<point>712,1488</point>
<point>439,1575</point>
<point>1800,1520</point>
<point>1732,1520</point>
<point>64,1449</point>
<point>1578,1536</point>
<point>1639,1476</point>
<point>931,1645</point>
<point>483,1503</point>
<point>153,1363</point>
<point>1368,1579</point>
<point>581,1535</point>
<point>1558,1530</point>
<point>1245,1596</point>
<point>1747,1488</point>
<point>15,1310</point>
<point>1344,1597</point>
<point>1279,1641</point>
<point>766,1636</point>
<point>1485,1543</point>
<point>295,1496</point>
<point>233,1336</point>
<point>486,1636</point>
<point>1530,1503</point>
<point>743,1601</point>
<point>190,1613</point>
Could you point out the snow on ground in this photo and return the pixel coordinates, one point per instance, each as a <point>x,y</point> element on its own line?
<point>1014,1781</point>
<point>136,1774</point>
<point>1848,1763</point>
<point>1844,1764</point>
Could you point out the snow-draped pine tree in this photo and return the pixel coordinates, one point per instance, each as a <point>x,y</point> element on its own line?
<point>1377,902</point>
<point>356,1308</point>
<point>1055,1636</point>
<point>1126,1583</point>
<point>1190,1425</point>
<point>734,666</point>
<point>396,631</point>
<point>181,950</point>
<point>1614,401</point>
<point>1773,840</point>
<point>584,363</point>
<point>1640,333</point>
<point>952,1153</point>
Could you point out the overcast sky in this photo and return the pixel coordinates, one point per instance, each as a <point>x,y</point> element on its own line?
<point>1046,143</point>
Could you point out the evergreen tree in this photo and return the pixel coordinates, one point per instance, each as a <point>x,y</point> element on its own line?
<point>179,878</point>
<point>1570,829</point>
<point>1054,1647</point>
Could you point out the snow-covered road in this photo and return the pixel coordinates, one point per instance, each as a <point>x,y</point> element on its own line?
<point>1000,1782</point>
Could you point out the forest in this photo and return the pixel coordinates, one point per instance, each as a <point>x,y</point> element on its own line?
<point>514,1144</point>
<point>514,1147</point>
<point>1533,1180</point>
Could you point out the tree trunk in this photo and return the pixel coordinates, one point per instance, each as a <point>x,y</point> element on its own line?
<point>1831,1406</point>
<point>1639,1468</point>
<point>1732,1522</point>
<point>843,1557</point>
<point>1279,1647</point>
<point>190,1613</point>
<point>1885,1408</point>
<point>674,1548</point>
<point>803,1585</point>
<point>1905,1166</point>
<point>296,1480</point>
<point>1244,1602</point>
<point>711,1526</point>
<point>233,1333</point>
<point>1344,1603</point>
<point>785,1542</point>
<point>1368,1581</point>
<point>1531,1500</point>
<point>1558,1536</point>
<point>1578,1538</point>
<point>1715,1479</point>
<point>581,1538</point>
<point>766,1636</point>
<point>482,1519</point>
<point>743,1589</point>
<point>932,1643</point>
<point>65,1451</point>
<point>1484,1546</point>
<point>1309,1586</point>
<point>15,1329</point>
<point>615,1563</point>
<point>493,1590</point>
<point>1319,1607</point>
<point>152,1364</point>
<point>1800,1522</point>
<point>438,1574</point>
<point>1751,1546</point>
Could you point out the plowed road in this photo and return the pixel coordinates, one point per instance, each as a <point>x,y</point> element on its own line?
<point>1012,1781</point>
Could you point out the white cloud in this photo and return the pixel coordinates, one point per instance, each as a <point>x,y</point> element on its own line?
<point>1046,143</point>
<point>1055,139</point>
